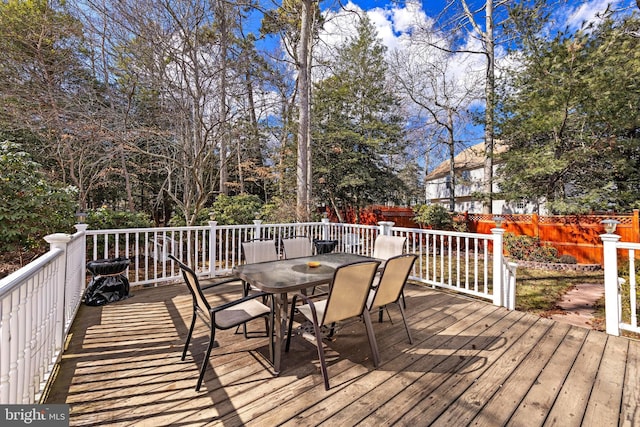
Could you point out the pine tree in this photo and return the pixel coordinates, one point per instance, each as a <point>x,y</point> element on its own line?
<point>572,121</point>
<point>357,132</point>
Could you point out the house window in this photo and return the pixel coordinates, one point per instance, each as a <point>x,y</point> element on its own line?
<point>521,205</point>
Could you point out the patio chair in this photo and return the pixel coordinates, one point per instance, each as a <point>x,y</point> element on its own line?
<point>297,247</point>
<point>346,299</point>
<point>226,316</point>
<point>258,250</point>
<point>389,290</point>
<point>386,247</point>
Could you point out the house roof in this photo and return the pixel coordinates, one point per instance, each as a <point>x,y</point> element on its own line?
<point>470,158</point>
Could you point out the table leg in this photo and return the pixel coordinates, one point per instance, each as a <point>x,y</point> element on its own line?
<point>280,329</point>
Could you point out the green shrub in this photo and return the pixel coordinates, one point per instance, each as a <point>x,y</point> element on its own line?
<point>279,211</point>
<point>434,216</point>
<point>527,248</point>
<point>107,219</point>
<point>236,210</point>
<point>31,206</point>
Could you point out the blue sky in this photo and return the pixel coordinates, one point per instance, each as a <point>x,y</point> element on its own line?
<point>396,20</point>
<point>569,12</point>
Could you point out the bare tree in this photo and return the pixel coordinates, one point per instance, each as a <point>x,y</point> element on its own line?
<point>469,18</point>
<point>50,98</point>
<point>303,64</point>
<point>435,82</point>
<point>488,42</point>
<point>297,22</point>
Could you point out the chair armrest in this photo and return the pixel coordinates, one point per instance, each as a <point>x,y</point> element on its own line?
<point>221,282</point>
<point>238,301</point>
<point>308,299</point>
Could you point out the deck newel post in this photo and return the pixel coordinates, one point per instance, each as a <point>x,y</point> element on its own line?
<point>212,248</point>
<point>325,228</point>
<point>82,260</point>
<point>611,305</point>
<point>257,228</point>
<point>385,227</point>
<point>59,241</point>
<point>498,274</point>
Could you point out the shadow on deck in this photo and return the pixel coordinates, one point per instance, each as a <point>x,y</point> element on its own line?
<point>471,364</point>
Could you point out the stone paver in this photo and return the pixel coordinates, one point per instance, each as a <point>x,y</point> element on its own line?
<point>578,304</point>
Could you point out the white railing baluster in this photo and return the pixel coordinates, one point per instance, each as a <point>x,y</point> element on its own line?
<point>632,289</point>
<point>33,317</point>
<point>6,312</point>
<point>38,308</point>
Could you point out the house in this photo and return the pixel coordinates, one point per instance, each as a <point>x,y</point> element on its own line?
<point>469,170</point>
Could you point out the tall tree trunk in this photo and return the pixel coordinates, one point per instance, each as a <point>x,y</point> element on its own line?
<point>302,167</point>
<point>224,134</point>
<point>452,157</point>
<point>489,109</point>
<point>489,43</point>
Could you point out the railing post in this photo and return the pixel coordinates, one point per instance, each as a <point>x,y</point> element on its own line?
<point>498,274</point>
<point>611,292</point>
<point>257,224</point>
<point>82,261</point>
<point>385,227</point>
<point>212,248</point>
<point>325,228</point>
<point>510,285</point>
<point>59,241</point>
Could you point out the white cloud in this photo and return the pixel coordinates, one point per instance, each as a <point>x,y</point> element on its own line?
<point>392,24</point>
<point>586,12</point>
<point>406,19</point>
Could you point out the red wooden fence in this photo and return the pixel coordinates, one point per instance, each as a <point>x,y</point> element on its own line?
<point>576,235</point>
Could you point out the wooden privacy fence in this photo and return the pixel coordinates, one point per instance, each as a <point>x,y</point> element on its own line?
<point>575,235</point>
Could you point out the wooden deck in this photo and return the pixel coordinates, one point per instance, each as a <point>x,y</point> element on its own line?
<point>471,364</point>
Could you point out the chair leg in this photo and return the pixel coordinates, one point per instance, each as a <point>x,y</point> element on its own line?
<point>205,362</point>
<point>404,303</point>
<point>323,363</point>
<point>372,338</point>
<point>332,330</point>
<point>404,320</point>
<point>186,344</point>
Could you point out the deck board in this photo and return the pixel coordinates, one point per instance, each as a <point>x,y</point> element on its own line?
<point>471,363</point>
<point>512,391</point>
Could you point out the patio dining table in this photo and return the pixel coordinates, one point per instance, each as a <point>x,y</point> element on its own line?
<point>290,275</point>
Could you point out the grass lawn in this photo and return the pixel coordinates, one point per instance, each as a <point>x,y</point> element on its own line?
<point>538,291</point>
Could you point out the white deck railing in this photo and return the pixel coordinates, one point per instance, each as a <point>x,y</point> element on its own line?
<point>38,303</point>
<point>621,295</point>
<point>37,306</point>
